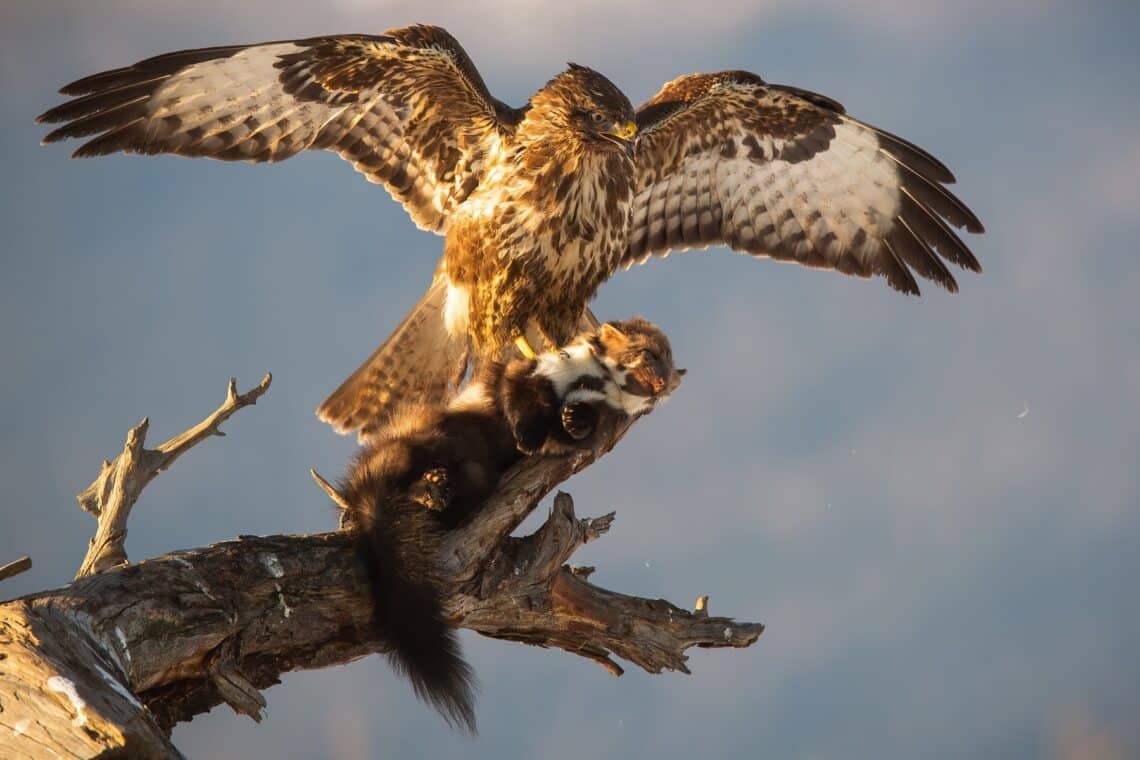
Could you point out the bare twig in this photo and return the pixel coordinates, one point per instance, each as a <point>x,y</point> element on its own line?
<point>110,497</point>
<point>182,633</point>
<point>191,630</point>
<point>15,568</point>
<point>328,488</point>
<point>527,593</point>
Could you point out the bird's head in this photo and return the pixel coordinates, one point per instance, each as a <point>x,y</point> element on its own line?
<point>589,106</point>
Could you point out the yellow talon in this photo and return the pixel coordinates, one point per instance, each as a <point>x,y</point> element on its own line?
<point>524,347</point>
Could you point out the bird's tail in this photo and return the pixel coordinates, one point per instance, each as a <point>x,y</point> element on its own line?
<point>420,361</point>
<point>395,544</point>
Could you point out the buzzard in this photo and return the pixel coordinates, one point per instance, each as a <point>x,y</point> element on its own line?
<point>538,205</point>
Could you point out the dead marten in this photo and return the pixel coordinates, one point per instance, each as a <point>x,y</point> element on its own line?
<point>430,468</point>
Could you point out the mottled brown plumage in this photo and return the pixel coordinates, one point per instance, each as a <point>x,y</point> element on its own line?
<point>541,204</point>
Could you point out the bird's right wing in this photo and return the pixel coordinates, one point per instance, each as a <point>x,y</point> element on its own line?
<point>779,172</point>
<point>407,108</point>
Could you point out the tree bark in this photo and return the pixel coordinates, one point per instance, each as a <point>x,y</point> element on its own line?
<point>107,665</point>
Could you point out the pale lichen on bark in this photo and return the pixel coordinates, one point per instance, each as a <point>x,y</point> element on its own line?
<point>142,647</point>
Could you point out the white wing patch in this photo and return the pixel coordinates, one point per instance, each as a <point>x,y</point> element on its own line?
<point>408,112</point>
<point>223,103</point>
<point>784,173</point>
<point>842,200</point>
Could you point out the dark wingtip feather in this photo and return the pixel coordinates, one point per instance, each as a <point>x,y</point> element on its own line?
<point>916,253</point>
<point>54,136</point>
<point>931,228</point>
<point>917,158</point>
<point>166,63</point>
<point>78,87</point>
<point>94,82</point>
<point>116,140</point>
<point>56,114</point>
<point>972,223</point>
<point>103,118</point>
<point>904,286</point>
<point>898,275</point>
<point>938,199</point>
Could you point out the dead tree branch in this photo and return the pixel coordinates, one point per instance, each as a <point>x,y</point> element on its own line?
<point>138,648</point>
<point>110,497</point>
<point>15,567</point>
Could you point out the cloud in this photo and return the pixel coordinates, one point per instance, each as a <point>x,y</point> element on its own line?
<point>960,541</point>
<point>1076,735</point>
<point>499,34</point>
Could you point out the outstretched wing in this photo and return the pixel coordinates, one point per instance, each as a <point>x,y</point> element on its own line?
<point>407,108</point>
<point>784,173</point>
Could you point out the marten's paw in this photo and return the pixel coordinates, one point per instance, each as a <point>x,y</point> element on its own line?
<point>432,491</point>
<point>529,433</point>
<point>579,419</point>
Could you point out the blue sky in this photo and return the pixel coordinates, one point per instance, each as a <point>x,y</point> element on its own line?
<point>941,574</point>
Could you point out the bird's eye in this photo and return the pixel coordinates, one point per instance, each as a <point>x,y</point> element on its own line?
<point>597,117</point>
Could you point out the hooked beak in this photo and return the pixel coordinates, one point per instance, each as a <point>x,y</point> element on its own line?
<point>624,135</point>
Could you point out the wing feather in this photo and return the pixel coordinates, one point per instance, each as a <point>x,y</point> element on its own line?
<point>787,174</point>
<point>932,229</point>
<point>407,108</point>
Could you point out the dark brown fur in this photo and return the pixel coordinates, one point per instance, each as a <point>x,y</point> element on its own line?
<point>430,469</point>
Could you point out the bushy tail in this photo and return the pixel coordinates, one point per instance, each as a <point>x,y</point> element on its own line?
<point>419,361</point>
<point>397,546</point>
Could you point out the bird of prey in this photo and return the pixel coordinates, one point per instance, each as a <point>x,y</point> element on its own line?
<point>538,205</point>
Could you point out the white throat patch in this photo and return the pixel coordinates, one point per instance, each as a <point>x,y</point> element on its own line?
<point>565,368</point>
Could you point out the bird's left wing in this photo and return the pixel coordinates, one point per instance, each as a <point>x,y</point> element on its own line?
<point>783,173</point>
<point>407,108</point>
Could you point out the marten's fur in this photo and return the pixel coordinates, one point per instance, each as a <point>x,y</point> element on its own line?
<point>430,468</point>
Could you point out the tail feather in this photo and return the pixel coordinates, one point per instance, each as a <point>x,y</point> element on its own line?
<point>409,616</point>
<point>420,361</point>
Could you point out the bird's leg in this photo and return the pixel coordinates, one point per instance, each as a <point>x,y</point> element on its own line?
<point>524,347</point>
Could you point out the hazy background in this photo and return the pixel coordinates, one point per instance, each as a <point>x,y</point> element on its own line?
<point>942,574</point>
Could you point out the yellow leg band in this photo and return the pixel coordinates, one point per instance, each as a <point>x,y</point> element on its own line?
<point>524,347</point>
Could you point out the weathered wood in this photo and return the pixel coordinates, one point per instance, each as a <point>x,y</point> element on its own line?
<point>15,567</point>
<point>262,606</point>
<point>107,665</point>
<point>112,494</point>
<point>61,696</point>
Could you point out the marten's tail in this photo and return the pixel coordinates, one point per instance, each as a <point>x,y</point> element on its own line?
<point>420,361</point>
<point>397,545</point>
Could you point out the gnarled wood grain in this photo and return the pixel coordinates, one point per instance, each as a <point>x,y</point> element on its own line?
<point>108,664</point>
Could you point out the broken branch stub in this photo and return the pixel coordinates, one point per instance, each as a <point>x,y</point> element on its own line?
<point>114,492</point>
<point>185,632</point>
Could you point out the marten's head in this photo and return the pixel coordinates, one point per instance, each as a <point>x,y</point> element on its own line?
<point>638,356</point>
